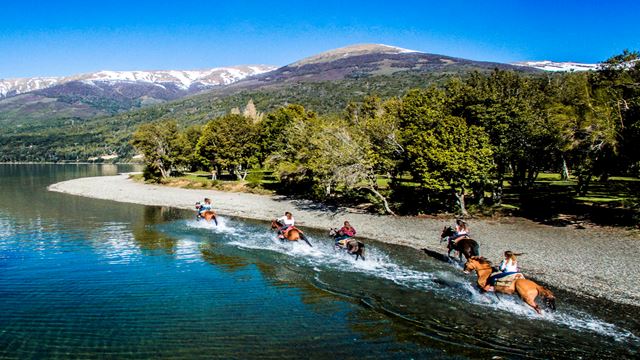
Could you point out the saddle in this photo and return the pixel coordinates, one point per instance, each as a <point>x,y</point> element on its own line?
<point>453,240</point>
<point>506,280</point>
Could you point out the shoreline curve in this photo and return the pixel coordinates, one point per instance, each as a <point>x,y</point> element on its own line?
<point>561,257</point>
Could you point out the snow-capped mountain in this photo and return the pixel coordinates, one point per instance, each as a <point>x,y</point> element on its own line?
<point>350,51</point>
<point>182,79</point>
<point>557,66</point>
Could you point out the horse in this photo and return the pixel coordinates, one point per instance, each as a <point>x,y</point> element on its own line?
<point>291,234</point>
<point>527,290</point>
<point>351,245</point>
<point>208,215</point>
<point>465,246</point>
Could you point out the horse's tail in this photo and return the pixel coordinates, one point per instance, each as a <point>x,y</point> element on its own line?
<point>548,296</point>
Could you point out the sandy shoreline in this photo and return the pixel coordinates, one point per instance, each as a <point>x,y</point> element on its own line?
<point>595,262</point>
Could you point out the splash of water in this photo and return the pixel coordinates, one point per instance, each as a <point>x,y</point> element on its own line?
<point>324,257</point>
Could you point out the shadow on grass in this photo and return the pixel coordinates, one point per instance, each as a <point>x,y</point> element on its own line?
<point>612,203</point>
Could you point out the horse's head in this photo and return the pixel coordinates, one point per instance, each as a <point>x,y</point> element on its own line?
<point>472,264</point>
<point>446,232</point>
<point>275,224</point>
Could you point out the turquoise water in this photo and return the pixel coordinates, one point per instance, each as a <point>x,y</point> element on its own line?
<point>87,278</point>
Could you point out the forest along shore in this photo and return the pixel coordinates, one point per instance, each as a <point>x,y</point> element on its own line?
<point>597,262</point>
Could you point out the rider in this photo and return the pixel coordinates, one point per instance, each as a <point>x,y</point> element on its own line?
<point>202,207</point>
<point>206,206</point>
<point>462,231</point>
<point>508,266</point>
<point>285,223</point>
<point>345,232</point>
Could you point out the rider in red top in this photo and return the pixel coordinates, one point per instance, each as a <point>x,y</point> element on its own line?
<point>347,230</point>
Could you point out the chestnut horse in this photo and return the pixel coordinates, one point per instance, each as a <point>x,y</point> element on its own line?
<point>465,246</point>
<point>526,289</point>
<point>291,234</point>
<point>209,215</point>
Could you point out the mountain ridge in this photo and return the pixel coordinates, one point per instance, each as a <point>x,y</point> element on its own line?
<point>182,78</point>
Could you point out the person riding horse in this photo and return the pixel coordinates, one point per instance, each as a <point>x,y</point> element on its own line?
<point>508,269</point>
<point>458,239</point>
<point>462,231</point>
<point>343,239</point>
<point>286,225</point>
<point>205,211</point>
<point>285,222</point>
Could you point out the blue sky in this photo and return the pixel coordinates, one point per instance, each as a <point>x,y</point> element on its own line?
<point>68,37</point>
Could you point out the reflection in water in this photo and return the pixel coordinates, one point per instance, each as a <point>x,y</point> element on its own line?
<point>86,278</point>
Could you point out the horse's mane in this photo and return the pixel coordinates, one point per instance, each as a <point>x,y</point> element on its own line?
<point>482,260</point>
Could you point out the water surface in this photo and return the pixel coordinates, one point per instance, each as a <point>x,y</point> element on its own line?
<point>92,279</point>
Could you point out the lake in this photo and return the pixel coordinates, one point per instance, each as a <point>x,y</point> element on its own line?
<point>88,278</point>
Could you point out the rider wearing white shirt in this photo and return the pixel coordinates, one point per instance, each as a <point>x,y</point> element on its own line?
<point>287,220</point>
<point>509,266</point>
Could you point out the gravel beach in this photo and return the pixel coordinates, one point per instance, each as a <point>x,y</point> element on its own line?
<point>597,262</point>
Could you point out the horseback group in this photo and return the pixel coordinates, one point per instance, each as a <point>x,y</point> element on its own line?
<point>505,278</point>
<point>287,231</point>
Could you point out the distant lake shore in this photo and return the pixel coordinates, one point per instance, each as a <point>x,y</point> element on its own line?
<point>595,262</point>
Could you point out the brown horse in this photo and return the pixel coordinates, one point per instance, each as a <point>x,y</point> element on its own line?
<point>209,215</point>
<point>292,233</point>
<point>465,246</point>
<point>351,245</point>
<point>526,289</point>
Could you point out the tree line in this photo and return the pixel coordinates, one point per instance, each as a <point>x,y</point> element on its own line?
<point>450,143</point>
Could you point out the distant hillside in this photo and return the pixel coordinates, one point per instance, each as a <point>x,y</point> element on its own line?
<point>323,83</point>
<point>106,92</point>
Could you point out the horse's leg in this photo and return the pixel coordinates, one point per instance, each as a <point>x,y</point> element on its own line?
<point>531,301</point>
<point>528,295</point>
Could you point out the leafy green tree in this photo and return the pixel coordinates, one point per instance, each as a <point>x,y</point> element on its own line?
<point>186,143</point>
<point>443,153</point>
<point>229,142</point>
<point>157,141</point>
<point>272,130</point>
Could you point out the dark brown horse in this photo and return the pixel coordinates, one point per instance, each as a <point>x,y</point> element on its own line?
<point>351,245</point>
<point>526,289</point>
<point>292,233</point>
<point>464,246</point>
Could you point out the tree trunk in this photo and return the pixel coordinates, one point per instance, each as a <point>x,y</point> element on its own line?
<point>478,194</point>
<point>564,175</point>
<point>460,200</point>
<point>496,192</point>
<point>163,172</point>
<point>381,197</point>
<point>583,183</point>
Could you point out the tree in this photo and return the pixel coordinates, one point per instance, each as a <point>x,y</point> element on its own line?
<point>228,142</point>
<point>186,143</point>
<point>273,130</point>
<point>157,142</point>
<point>251,112</point>
<point>509,106</point>
<point>443,153</point>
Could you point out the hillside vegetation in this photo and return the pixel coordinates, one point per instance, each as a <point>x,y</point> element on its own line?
<point>460,142</point>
